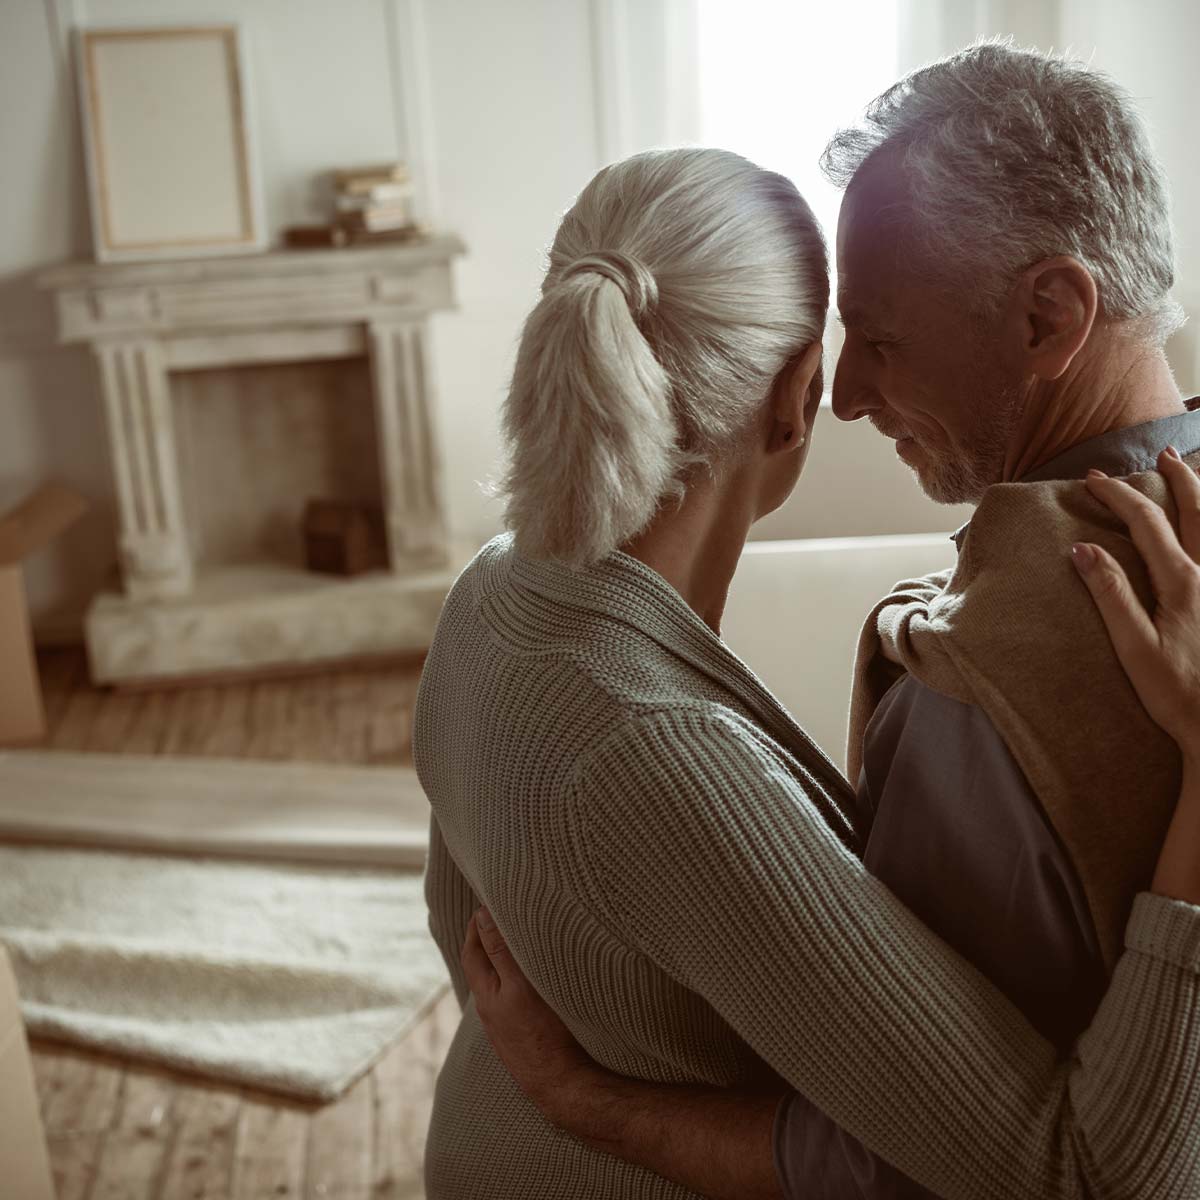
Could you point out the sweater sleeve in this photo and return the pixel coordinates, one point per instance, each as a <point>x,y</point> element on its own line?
<point>698,848</point>
<point>451,901</point>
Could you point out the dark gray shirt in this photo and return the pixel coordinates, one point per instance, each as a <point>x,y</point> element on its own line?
<point>958,835</point>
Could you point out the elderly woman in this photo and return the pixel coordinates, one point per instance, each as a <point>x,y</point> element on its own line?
<point>673,862</point>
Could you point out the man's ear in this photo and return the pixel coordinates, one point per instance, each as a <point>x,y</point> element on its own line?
<point>792,401</point>
<point>1051,313</point>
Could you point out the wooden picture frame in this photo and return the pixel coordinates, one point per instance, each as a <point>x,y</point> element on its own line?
<point>168,139</point>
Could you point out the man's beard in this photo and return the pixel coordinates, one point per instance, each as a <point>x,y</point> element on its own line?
<point>952,476</point>
<point>964,479</point>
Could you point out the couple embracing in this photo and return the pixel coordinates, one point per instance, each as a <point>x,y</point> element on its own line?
<point>708,963</point>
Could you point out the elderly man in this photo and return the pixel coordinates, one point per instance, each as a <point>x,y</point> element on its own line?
<point>1004,267</point>
<point>1004,263</point>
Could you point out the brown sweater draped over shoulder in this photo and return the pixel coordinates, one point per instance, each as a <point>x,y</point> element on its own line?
<point>1013,630</point>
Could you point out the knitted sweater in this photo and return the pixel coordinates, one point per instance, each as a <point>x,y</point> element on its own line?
<point>675,866</point>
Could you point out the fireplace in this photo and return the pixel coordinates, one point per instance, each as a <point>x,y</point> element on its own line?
<point>234,391</point>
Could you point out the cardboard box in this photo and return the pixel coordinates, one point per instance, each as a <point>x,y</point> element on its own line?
<point>32,524</point>
<point>24,1160</point>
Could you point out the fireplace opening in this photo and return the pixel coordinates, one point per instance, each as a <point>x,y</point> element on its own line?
<point>257,442</point>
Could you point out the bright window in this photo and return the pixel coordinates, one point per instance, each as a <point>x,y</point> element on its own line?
<point>777,79</point>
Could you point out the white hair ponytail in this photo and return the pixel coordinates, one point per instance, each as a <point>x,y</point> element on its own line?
<point>680,284</point>
<point>589,414</point>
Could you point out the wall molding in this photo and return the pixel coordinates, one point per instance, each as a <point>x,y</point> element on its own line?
<point>645,75</point>
<point>681,41</point>
<point>612,80</point>
<point>412,101</point>
<point>63,16</point>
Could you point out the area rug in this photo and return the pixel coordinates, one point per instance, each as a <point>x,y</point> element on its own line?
<point>294,977</point>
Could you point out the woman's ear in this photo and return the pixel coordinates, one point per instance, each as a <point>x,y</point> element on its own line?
<point>808,374</point>
<point>794,399</point>
<point>1051,313</point>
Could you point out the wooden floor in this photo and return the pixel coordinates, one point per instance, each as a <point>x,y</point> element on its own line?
<point>120,1130</point>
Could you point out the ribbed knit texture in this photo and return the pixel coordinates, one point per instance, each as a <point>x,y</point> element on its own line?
<point>674,865</point>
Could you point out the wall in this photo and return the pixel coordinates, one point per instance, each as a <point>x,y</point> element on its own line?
<point>516,137</point>
<point>505,110</point>
<point>501,115</point>
<point>49,413</point>
<point>1150,49</point>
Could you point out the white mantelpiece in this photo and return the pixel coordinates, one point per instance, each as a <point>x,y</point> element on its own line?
<point>179,616</point>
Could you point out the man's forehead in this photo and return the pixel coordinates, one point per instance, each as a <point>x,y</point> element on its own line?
<point>871,225</point>
<point>877,204</point>
<point>873,309</point>
<point>870,228</point>
<point>880,183</point>
<point>867,280</point>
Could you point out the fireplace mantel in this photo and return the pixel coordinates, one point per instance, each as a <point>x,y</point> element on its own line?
<point>175,300</point>
<point>146,321</point>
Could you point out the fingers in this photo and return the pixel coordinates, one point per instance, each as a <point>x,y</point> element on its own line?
<point>497,949</point>
<point>477,966</point>
<point>1148,526</point>
<point>1133,635</point>
<point>486,959</point>
<point>1185,488</point>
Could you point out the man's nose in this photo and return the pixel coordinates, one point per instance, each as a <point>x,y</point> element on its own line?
<point>853,394</point>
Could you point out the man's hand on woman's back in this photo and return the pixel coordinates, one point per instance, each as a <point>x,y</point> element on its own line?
<point>714,1141</point>
<point>527,1034</point>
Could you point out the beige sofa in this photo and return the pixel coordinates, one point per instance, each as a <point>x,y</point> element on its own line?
<point>795,610</point>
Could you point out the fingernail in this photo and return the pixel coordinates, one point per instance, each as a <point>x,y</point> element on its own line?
<point>1094,473</point>
<point>1174,454</point>
<point>1084,557</point>
<point>484,919</point>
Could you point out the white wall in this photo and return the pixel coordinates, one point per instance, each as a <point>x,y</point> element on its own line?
<point>506,107</point>
<point>513,109</point>
<point>1150,48</point>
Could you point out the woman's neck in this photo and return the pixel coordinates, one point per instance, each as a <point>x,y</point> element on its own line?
<point>695,546</point>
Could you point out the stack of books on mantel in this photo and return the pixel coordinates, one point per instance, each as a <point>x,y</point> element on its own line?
<point>373,199</point>
<point>372,204</point>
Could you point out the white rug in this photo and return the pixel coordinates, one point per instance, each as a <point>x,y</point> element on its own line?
<point>291,977</point>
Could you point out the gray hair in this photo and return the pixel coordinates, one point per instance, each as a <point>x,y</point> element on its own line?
<point>680,284</point>
<point>1011,156</point>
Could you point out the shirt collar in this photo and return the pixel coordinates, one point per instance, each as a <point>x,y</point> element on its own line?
<point>1119,451</point>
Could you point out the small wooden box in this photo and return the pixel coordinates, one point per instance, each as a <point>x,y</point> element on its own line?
<point>343,538</point>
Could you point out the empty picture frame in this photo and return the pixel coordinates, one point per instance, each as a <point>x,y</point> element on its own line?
<point>167,137</point>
